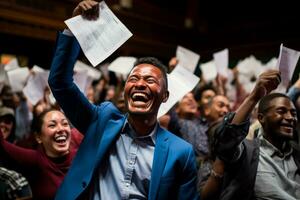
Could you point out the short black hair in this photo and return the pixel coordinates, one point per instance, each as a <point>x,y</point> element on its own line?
<point>263,105</point>
<point>155,62</point>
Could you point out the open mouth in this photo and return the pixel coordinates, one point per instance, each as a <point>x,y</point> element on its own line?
<point>140,97</point>
<point>61,138</point>
<point>288,127</point>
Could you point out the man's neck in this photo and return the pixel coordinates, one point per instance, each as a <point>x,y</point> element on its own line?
<point>279,143</point>
<point>142,125</point>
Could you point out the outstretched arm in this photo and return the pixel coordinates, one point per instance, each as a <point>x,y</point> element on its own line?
<point>235,126</point>
<point>266,82</point>
<point>233,131</point>
<point>25,158</point>
<point>73,102</point>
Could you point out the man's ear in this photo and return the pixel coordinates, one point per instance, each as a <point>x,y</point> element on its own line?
<point>260,118</point>
<point>166,96</point>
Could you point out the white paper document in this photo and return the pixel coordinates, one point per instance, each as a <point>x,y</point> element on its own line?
<point>37,69</point>
<point>221,61</point>
<point>180,82</point>
<point>99,38</point>
<point>208,71</point>
<point>17,78</point>
<point>249,66</point>
<point>3,76</point>
<point>91,72</point>
<point>271,64</point>
<point>42,72</point>
<point>35,87</point>
<point>187,58</point>
<point>287,62</point>
<point>80,78</point>
<point>122,65</point>
<point>13,64</point>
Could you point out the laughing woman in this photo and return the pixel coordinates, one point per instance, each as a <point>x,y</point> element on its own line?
<point>46,166</point>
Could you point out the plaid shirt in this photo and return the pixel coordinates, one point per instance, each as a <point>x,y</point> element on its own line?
<point>17,185</point>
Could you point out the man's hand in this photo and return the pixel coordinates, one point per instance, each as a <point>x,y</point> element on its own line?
<point>89,9</point>
<point>265,83</point>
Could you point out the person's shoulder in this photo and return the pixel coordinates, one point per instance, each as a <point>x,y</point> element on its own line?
<point>107,106</point>
<point>108,109</point>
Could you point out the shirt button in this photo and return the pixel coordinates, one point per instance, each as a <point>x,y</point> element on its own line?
<point>83,184</point>
<point>131,162</point>
<point>127,184</point>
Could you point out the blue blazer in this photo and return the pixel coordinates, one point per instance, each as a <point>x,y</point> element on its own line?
<point>173,173</point>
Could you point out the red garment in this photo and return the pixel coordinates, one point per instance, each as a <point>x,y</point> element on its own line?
<point>76,138</point>
<point>45,173</point>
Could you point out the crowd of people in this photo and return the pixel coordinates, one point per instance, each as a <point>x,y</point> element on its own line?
<point>108,143</point>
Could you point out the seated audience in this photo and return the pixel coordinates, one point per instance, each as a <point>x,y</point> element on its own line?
<point>266,167</point>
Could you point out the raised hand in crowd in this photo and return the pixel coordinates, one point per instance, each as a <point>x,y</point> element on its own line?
<point>89,9</point>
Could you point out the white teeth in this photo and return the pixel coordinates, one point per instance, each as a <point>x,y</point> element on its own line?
<point>136,95</point>
<point>61,138</point>
<point>287,125</point>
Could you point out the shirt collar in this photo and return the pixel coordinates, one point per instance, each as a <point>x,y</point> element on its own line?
<point>128,129</point>
<point>271,150</point>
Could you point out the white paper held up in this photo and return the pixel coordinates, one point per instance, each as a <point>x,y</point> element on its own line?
<point>180,82</point>
<point>99,38</point>
<point>35,87</point>
<point>80,78</point>
<point>122,65</point>
<point>3,76</point>
<point>187,58</point>
<point>209,71</point>
<point>17,78</point>
<point>13,64</point>
<point>287,62</point>
<point>221,61</point>
<point>91,72</point>
<point>37,69</point>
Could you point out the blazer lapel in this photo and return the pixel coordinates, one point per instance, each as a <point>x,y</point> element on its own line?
<point>112,130</point>
<point>159,161</point>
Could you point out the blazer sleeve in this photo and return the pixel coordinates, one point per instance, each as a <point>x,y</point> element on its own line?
<point>187,188</point>
<point>228,138</point>
<point>73,102</point>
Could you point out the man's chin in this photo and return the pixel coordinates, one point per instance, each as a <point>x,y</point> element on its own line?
<point>286,136</point>
<point>138,111</point>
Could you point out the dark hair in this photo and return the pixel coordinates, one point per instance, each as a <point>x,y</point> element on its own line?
<point>38,121</point>
<point>155,62</point>
<point>199,92</point>
<point>263,105</point>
